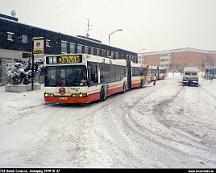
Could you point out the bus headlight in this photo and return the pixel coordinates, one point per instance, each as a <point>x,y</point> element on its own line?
<point>48,94</point>
<point>83,95</point>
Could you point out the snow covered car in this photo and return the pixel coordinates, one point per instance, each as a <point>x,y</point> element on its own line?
<point>190,76</point>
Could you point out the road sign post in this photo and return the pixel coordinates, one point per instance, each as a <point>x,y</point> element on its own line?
<point>38,47</point>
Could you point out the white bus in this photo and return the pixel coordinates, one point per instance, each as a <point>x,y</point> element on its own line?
<point>83,78</point>
<point>190,76</point>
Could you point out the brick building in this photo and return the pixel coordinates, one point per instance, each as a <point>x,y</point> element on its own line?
<point>177,59</point>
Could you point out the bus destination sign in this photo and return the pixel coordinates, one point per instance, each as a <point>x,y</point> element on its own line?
<point>69,59</point>
<point>64,59</point>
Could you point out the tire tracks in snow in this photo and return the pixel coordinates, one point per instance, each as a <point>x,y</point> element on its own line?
<point>206,91</point>
<point>118,145</point>
<point>137,128</point>
<point>65,116</point>
<point>141,130</point>
<point>20,114</point>
<point>159,116</point>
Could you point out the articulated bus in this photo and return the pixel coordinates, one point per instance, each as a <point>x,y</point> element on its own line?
<point>83,78</point>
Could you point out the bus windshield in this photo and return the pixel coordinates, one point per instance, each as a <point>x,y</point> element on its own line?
<point>61,76</point>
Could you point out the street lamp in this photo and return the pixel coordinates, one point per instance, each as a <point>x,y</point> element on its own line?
<point>113,33</point>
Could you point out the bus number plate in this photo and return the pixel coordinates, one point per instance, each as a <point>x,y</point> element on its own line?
<point>63,98</point>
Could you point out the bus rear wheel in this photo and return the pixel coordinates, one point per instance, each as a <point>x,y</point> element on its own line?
<point>142,84</point>
<point>123,88</point>
<point>102,94</point>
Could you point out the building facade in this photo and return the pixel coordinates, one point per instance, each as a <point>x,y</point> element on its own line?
<point>16,43</point>
<point>177,59</point>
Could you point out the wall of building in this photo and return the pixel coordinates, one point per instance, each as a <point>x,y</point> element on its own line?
<point>153,60</point>
<point>6,53</point>
<point>165,60</point>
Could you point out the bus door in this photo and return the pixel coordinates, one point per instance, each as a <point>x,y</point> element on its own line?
<point>129,74</point>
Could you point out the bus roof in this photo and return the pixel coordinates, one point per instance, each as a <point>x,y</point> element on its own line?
<point>195,69</point>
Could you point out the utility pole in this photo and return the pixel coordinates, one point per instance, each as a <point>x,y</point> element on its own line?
<point>88,28</point>
<point>32,67</point>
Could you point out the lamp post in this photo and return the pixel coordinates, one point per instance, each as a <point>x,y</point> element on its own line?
<point>141,50</point>
<point>113,33</point>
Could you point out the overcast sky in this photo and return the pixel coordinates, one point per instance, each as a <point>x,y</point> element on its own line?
<point>151,24</point>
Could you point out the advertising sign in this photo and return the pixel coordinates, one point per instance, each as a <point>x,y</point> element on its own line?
<point>38,45</point>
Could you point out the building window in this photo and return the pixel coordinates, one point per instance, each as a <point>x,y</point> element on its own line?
<point>98,51</point>
<point>79,48</point>
<point>116,55</point>
<point>104,53</point>
<point>24,39</point>
<point>92,50</point>
<point>47,43</point>
<point>26,55</point>
<point>63,47</point>
<point>112,54</point>
<point>134,59</point>
<point>86,50</point>
<point>130,57</point>
<point>10,36</point>
<point>101,52</point>
<point>108,53</point>
<point>72,47</point>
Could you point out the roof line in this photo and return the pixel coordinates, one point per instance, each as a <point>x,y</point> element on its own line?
<point>185,49</point>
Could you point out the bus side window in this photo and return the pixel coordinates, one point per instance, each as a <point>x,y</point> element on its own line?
<point>92,73</point>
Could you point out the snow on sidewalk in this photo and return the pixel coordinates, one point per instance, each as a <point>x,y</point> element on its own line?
<point>15,105</point>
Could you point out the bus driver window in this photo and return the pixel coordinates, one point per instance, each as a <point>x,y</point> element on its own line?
<point>92,73</point>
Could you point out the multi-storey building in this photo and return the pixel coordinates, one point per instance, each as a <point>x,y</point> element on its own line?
<point>177,59</point>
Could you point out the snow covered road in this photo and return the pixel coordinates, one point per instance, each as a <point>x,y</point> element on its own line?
<point>166,126</point>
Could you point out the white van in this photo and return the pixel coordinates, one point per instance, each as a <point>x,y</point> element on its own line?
<point>190,76</point>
